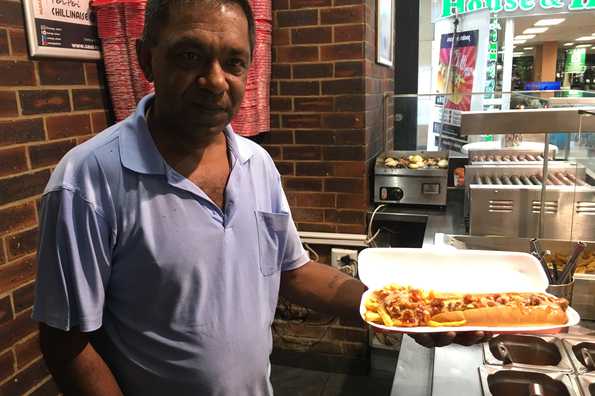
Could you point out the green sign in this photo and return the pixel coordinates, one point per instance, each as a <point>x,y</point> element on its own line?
<point>452,7</point>
<point>576,60</point>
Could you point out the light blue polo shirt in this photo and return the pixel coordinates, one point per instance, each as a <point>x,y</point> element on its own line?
<point>185,292</point>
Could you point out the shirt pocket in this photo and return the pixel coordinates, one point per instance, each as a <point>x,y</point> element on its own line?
<point>272,238</point>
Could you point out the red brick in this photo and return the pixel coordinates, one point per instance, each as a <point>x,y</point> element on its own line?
<point>343,86</point>
<point>22,186</point>
<point>343,185</point>
<point>100,121</point>
<point>342,51</point>
<point>304,153</point>
<point>315,200</point>
<point>274,88</point>
<point>6,365</point>
<point>280,104</point>
<point>350,103</point>
<point>343,120</point>
<point>21,131</point>
<point>313,169</point>
<point>350,217</point>
<point>301,120</point>
<point>25,380</point>
<point>279,136</point>
<point>11,14</point>
<point>2,255</point>
<point>55,72</point>
<point>89,99</point>
<point>44,101</point>
<point>347,2</point>
<point>349,33</point>
<point>8,104</point>
<point>318,227</point>
<point>349,168</point>
<point>295,88</point>
<point>301,53</point>
<point>27,351</point>
<point>344,153</point>
<point>337,15</point>
<point>302,184</point>
<point>281,37</point>
<point>280,71</point>
<point>23,297</point>
<point>313,70</point>
<point>275,121</point>
<point>351,201</point>
<point>23,243</point>
<point>3,42</point>
<point>63,126</point>
<point>307,215</point>
<point>314,137</point>
<point>6,314</point>
<point>83,139</point>
<point>16,273</point>
<point>274,151</point>
<point>94,73</point>
<point>312,35</point>
<point>285,168</point>
<point>47,154</point>
<point>330,215</point>
<point>13,160</point>
<point>17,217</point>
<point>351,229</point>
<point>317,104</point>
<point>17,73</point>
<point>18,43</point>
<point>21,326</point>
<point>280,4</point>
<point>49,388</point>
<point>350,137</point>
<point>297,18</point>
<point>310,3</point>
<point>349,69</point>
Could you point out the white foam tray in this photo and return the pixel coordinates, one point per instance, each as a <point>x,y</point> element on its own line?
<point>458,271</point>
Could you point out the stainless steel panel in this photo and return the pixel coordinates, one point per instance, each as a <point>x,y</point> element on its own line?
<point>413,189</point>
<point>498,381</point>
<point>572,345</point>
<point>587,384</point>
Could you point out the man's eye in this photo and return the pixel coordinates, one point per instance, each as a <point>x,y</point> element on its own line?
<point>236,64</point>
<point>189,56</point>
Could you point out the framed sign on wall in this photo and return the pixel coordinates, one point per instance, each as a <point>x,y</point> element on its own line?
<point>61,29</point>
<point>384,32</point>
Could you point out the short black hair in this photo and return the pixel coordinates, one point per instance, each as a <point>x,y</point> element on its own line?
<point>157,13</point>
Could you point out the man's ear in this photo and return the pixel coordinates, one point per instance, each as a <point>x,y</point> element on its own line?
<point>143,53</point>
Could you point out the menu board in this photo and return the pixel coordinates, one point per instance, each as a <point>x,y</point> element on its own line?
<point>61,29</point>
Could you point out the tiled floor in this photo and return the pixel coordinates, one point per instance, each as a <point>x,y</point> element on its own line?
<point>289,381</point>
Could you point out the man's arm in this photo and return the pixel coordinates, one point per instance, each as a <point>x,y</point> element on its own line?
<point>323,288</point>
<point>75,365</point>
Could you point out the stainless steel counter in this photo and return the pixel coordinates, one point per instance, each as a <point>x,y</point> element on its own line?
<point>447,371</point>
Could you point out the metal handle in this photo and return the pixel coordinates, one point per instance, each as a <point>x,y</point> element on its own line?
<point>504,353</point>
<point>588,358</point>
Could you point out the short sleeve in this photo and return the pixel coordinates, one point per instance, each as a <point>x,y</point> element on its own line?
<point>73,257</point>
<point>295,255</point>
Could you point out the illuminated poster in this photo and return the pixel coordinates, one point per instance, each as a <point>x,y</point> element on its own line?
<point>62,29</point>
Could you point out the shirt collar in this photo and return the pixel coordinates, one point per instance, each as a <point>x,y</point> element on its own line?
<point>139,153</point>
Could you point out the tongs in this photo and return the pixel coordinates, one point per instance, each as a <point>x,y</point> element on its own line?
<point>536,252</point>
<point>572,263</point>
<point>504,353</point>
<point>588,358</point>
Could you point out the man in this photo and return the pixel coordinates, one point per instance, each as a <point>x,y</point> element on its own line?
<point>165,239</point>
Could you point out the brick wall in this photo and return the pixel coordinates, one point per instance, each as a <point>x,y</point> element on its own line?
<point>46,108</point>
<point>327,126</point>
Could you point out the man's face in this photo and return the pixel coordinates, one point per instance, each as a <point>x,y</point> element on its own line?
<point>199,65</point>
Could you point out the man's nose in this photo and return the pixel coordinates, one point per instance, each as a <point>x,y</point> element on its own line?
<point>213,79</point>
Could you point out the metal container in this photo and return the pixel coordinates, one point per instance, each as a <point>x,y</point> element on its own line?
<point>587,384</point>
<point>423,186</point>
<point>583,294</point>
<point>527,352</point>
<point>499,381</point>
<point>573,347</point>
<point>505,200</point>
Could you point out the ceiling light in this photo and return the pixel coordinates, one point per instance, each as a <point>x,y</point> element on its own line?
<point>520,41</point>
<point>524,37</point>
<point>549,22</point>
<point>535,30</point>
<point>528,48</point>
<point>583,46</point>
<point>586,38</point>
<point>568,44</point>
<point>518,53</point>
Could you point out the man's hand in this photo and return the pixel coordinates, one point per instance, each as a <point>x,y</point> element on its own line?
<point>431,340</point>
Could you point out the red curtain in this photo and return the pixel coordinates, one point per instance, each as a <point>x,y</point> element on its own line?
<point>120,24</point>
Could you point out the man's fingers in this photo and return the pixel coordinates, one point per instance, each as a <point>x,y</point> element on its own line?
<point>424,340</point>
<point>444,339</point>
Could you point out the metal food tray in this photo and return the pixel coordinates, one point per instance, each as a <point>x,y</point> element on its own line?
<point>587,384</point>
<point>511,382</point>
<point>571,345</point>
<point>529,352</point>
